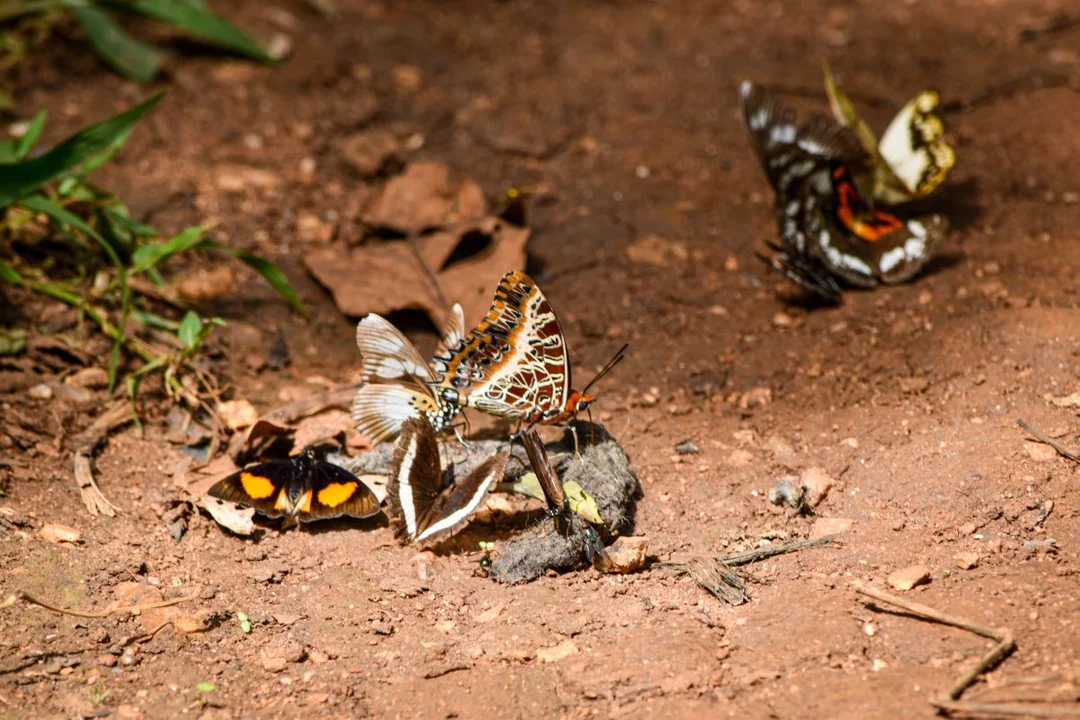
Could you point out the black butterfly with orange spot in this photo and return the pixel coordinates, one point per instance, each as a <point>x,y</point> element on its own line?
<point>828,229</point>
<point>302,488</point>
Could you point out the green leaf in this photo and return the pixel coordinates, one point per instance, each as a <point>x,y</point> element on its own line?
<point>131,58</point>
<point>26,143</point>
<point>18,180</point>
<point>189,330</point>
<point>9,274</point>
<point>205,687</point>
<point>245,624</point>
<point>203,24</point>
<point>151,254</point>
<point>273,275</point>
<point>154,320</point>
<point>114,362</point>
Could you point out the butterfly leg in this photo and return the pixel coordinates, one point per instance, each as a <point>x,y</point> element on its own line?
<point>577,448</point>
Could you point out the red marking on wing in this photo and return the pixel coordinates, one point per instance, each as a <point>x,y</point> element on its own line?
<point>855,214</point>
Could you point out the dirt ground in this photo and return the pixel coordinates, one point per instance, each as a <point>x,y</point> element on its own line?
<point>625,115</point>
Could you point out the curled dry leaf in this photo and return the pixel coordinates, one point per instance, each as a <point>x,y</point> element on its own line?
<point>386,276</point>
<point>57,533</point>
<point>230,516</point>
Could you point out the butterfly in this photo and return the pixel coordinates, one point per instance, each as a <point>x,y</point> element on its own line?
<point>515,364</point>
<point>427,505</point>
<point>301,488</point>
<point>558,504</point>
<point>398,382</point>
<point>913,157</point>
<point>828,229</point>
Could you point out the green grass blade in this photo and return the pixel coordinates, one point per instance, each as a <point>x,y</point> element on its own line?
<point>273,275</point>
<point>26,143</point>
<point>148,256</point>
<point>9,274</point>
<point>131,58</point>
<point>203,24</point>
<point>18,180</point>
<point>151,254</point>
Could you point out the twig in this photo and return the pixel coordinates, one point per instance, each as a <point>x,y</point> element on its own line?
<point>715,574</point>
<point>85,443</point>
<point>1005,646</point>
<point>1009,709</point>
<point>773,550</point>
<point>1062,450</point>
<point>26,597</point>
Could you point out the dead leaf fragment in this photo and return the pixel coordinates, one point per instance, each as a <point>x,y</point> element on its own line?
<point>57,533</point>
<point>385,276</point>
<point>424,197</point>
<point>230,516</point>
<point>237,414</point>
<point>561,651</point>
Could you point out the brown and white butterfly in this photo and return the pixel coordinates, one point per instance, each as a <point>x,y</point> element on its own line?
<point>427,504</point>
<point>828,229</point>
<point>912,158</point>
<point>515,364</point>
<point>397,382</point>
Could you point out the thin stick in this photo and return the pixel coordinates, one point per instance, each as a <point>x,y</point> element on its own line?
<point>1006,644</point>
<point>1008,709</point>
<point>1062,450</point>
<point>758,555</point>
<point>26,597</point>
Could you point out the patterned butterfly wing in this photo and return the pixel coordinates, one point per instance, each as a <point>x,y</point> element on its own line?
<point>386,353</point>
<point>865,246</point>
<point>913,158</point>
<point>514,363</point>
<point>264,486</point>
<point>424,509</point>
<point>336,492</point>
<point>915,148</point>
<point>380,409</point>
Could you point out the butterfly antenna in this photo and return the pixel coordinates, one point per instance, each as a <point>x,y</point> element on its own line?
<point>615,360</point>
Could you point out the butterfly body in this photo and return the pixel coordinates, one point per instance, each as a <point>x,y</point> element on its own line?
<point>303,488</point>
<point>828,228</point>
<point>428,504</point>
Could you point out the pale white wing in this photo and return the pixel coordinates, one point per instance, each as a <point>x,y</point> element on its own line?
<point>386,353</point>
<point>379,410</point>
<point>453,330</point>
<point>914,145</point>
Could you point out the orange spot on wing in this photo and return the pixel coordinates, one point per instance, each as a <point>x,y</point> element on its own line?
<point>849,203</point>
<point>335,494</point>
<point>256,486</point>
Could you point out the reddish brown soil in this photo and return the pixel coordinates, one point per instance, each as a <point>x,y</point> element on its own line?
<point>908,395</point>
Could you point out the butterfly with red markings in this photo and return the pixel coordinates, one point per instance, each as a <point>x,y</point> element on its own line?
<point>828,229</point>
<point>397,382</point>
<point>515,364</point>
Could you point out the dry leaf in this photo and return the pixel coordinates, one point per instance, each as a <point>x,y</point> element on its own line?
<point>324,426</point>
<point>237,414</point>
<point>424,197</point>
<point>57,533</point>
<point>229,515</point>
<point>383,277</point>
